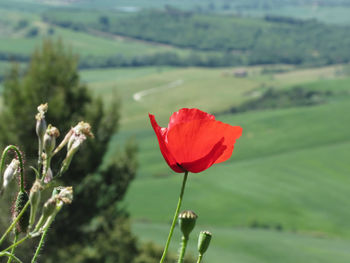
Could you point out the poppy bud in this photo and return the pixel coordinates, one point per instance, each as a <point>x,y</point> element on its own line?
<point>203,241</point>
<point>10,172</point>
<point>22,224</point>
<point>50,139</point>
<point>34,197</point>
<point>187,221</point>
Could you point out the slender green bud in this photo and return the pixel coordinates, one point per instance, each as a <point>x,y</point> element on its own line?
<point>40,121</point>
<point>22,224</point>
<point>203,241</point>
<point>187,222</point>
<point>49,207</point>
<point>50,139</point>
<point>34,198</point>
<point>78,135</point>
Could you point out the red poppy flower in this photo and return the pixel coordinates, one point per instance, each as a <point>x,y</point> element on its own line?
<point>194,140</point>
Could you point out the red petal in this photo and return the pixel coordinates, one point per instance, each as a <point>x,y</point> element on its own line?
<point>198,144</point>
<point>186,115</point>
<point>161,135</point>
<point>232,134</point>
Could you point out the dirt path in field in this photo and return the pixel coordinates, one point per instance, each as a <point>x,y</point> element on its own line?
<point>139,95</point>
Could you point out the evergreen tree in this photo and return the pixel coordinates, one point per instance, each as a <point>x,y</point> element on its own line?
<point>94,228</point>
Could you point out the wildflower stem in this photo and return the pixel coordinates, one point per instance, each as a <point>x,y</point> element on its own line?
<point>14,222</point>
<point>9,255</point>
<point>200,258</point>
<point>175,218</point>
<point>183,249</point>
<point>13,249</point>
<point>19,156</point>
<point>40,245</point>
<point>15,244</point>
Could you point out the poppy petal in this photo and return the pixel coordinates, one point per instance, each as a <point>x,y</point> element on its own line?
<point>161,135</point>
<point>189,142</point>
<point>186,115</point>
<point>206,161</point>
<point>231,135</point>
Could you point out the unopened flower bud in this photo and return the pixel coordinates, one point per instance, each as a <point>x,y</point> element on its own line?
<point>49,176</point>
<point>22,224</point>
<point>40,121</point>
<point>10,172</point>
<point>49,207</point>
<point>34,198</point>
<point>50,139</point>
<point>187,221</point>
<point>203,241</point>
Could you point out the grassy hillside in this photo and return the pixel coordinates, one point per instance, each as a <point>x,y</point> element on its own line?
<point>283,194</point>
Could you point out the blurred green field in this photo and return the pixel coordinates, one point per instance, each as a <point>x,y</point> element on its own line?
<point>282,197</point>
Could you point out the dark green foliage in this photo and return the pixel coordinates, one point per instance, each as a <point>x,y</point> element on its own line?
<point>273,39</point>
<point>94,221</point>
<point>272,99</point>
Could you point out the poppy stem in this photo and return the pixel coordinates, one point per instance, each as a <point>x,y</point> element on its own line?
<point>175,218</point>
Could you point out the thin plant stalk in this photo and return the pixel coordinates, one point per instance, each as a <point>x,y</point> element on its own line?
<point>14,222</point>
<point>200,258</point>
<point>37,251</point>
<point>9,255</point>
<point>13,249</point>
<point>175,218</point>
<point>184,242</point>
<point>16,244</point>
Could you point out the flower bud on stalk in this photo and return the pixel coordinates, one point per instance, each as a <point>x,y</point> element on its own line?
<point>34,197</point>
<point>60,196</point>
<point>40,127</point>
<point>203,241</point>
<point>50,140</point>
<point>10,172</point>
<point>187,221</point>
<point>79,134</point>
<point>22,224</point>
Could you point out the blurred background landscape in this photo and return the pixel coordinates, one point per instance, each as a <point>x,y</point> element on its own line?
<point>278,68</point>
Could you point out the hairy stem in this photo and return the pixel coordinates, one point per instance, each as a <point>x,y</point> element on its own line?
<point>39,246</point>
<point>184,242</point>
<point>175,218</point>
<point>13,249</point>
<point>15,244</point>
<point>9,255</point>
<point>14,222</point>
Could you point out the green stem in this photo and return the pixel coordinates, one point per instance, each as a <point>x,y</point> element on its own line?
<point>16,244</point>
<point>183,249</point>
<point>200,258</point>
<point>10,256</point>
<point>19,156</point>
<point>13,249</point>
<point>39,246</point>
<point>14,222</point>
<point>175,218</point>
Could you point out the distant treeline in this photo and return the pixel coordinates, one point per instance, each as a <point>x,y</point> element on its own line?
<point>241,41</point>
